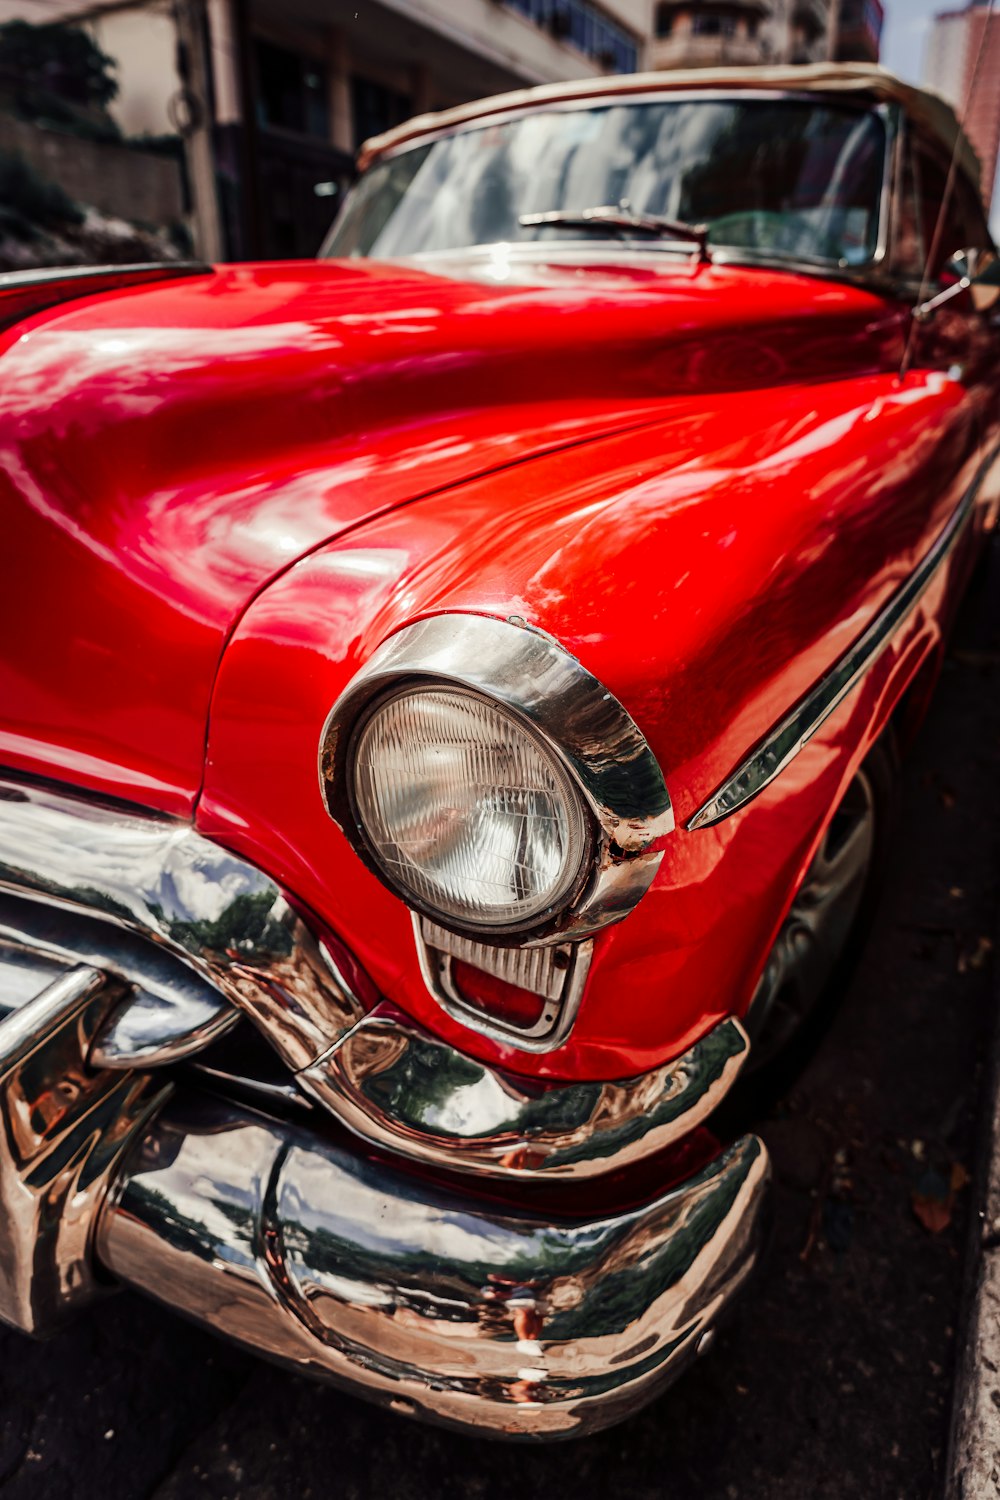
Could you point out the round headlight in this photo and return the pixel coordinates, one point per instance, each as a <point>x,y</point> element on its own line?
<point>465,809</point>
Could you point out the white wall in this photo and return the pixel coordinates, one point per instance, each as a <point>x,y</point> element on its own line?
<point>35,11</point>
<point>143,42</point>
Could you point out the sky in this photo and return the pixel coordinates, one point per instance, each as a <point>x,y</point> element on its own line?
<point>904,38</point>
<point>905,34</point>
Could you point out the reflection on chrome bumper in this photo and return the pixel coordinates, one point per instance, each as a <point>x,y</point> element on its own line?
<point>395,1084</point>
<point>441,1307</point>
<point>63,1128</point>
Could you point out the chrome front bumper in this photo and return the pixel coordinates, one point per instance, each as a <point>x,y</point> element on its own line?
<point>430,1302</point>
<point>351,1259</point>
<point>300,1246</point>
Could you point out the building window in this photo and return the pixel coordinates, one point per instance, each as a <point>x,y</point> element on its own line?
<point>291,91</point>
<point>713,25</point>
<point>375,108</point>
<point>584,27</point>
<point>664,20</point>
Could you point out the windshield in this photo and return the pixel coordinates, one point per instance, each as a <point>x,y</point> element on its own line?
<point>780,177</point>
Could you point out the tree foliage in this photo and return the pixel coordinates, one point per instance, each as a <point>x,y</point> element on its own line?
<point>29,201</point>
<point>56,73</point>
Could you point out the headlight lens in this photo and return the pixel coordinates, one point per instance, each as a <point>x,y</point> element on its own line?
<point>465,809</point>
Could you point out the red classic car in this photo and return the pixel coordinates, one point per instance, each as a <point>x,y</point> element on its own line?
<point>450,703</point>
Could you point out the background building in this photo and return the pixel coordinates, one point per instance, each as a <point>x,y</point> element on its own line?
<point>958,39</point>
<point>731,32</point>
<point>706,33</point>
<point>858,34</point>
<point>323,75</point>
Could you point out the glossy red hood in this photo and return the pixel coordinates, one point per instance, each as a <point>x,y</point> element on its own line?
<point>168,451</point>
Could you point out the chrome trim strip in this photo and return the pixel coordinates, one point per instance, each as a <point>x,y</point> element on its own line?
<point>216,913</point>
<point>535,677</point>
<point>86,276</point>
<point>403,1089</point>
<point>768,759</point>
<point>890,117</point>
<point>464,1312</point>
<point>475,260</point>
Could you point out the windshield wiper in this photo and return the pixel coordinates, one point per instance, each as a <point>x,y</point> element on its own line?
<point>624,219</point>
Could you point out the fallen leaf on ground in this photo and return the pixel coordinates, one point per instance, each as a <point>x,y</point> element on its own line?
<point>981,953</point>
<point>935,1204</point>
<point>933,1213</point>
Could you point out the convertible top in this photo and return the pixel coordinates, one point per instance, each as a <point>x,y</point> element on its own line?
<point>857,79</point>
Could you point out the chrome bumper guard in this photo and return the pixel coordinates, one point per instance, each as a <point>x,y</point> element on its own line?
<point>435,1302</point>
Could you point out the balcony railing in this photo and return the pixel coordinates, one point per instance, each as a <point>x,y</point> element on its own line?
<point>690,51</point>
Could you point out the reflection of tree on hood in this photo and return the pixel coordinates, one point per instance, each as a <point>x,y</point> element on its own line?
<point>686,134</point>
<point>597,169</point>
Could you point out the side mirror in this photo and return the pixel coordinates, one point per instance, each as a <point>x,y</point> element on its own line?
<point>976,271</point>
<point>961,266</point>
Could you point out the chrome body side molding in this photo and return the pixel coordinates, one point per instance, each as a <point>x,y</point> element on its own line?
<point>399,1087</point>
<point>768,759</point>
<point>209,910</point>
<point>459,1311</point>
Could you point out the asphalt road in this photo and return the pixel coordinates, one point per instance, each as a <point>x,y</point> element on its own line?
<point>834,1379</point>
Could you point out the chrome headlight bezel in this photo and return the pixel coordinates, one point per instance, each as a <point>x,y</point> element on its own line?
<point>537,681</point>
